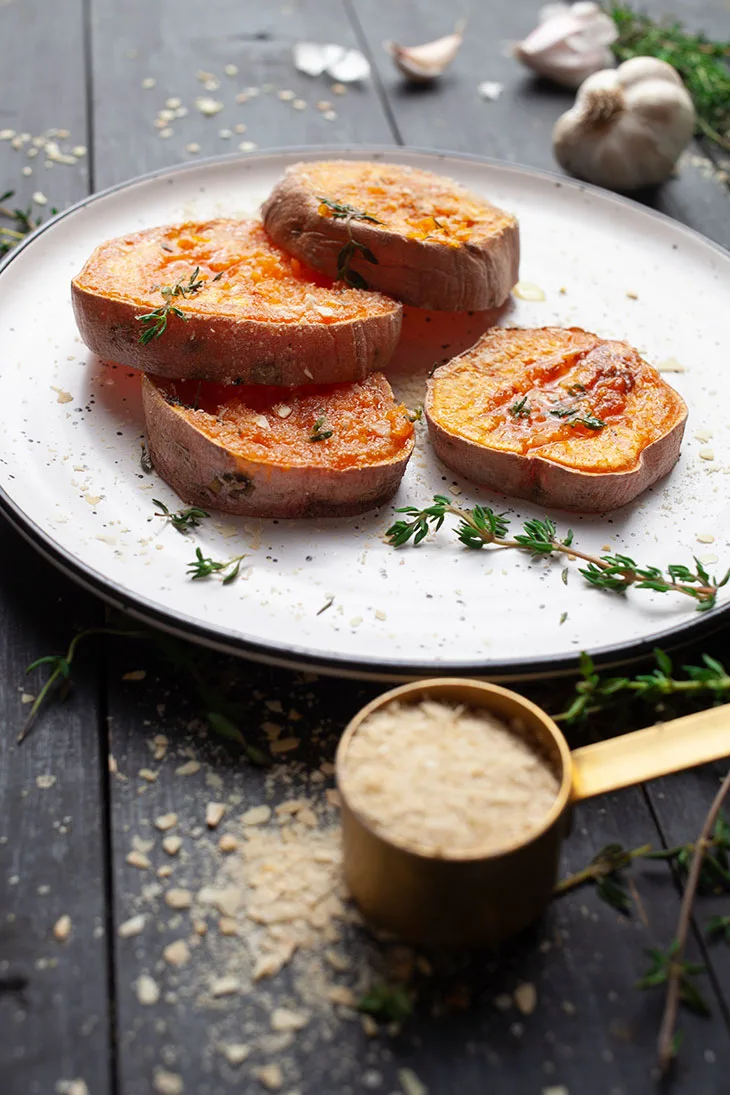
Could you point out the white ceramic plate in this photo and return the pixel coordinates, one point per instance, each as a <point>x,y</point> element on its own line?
<point>71,479</point>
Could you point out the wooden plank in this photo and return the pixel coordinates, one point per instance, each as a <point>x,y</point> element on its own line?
<point>143,43</point>
<point>517,127</point>
<point>54,1007</point>
<point>583,959</point>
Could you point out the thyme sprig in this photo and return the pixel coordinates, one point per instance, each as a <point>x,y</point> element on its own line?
<point>521,409</point>
<point>155,322</point>
<point>718,927</point>
<point>701,63</point>
<point>391,1003</point>
<point>60,671</point>
<point>348,214</point>
<point>664,966</point>
<point>183,520</point>
<point>23,222</point>
<point>714,875</point>
<point>321,430</point>
<point>596,693</point>
<point>204,567</point>
<point>605,872</point>
<point>482,527</point>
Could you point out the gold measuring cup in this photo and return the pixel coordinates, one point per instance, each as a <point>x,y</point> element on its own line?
<point>481,898</point>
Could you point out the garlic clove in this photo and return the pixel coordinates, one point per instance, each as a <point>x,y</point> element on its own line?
<point>569,43</point>
<point>426,62</point>
<point>313,58</point>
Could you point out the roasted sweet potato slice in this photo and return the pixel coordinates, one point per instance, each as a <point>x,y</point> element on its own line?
<point>247,312</point>
<point>314,451</point>
<point>556,415</point>
<point>421,238</point>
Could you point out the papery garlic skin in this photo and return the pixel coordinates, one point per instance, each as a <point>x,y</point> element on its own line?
<point>570,43</point>
<point>628,126</point>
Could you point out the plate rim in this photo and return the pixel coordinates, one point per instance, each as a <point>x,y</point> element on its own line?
<point>291,655</point>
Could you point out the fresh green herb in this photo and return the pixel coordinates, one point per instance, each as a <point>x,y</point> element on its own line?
<point>319,430</point>
<point>595,693</point>
<point>155,322</point>
<point>664,965</point>
<point>341,211</point>
<point>60,671</point>
<point>348,213</point>
<point>416,415</point>
<point>203,567</point>
<point>390,1003</point>
<point>481,527</point>
<point>521,409</point>
<point>184,519</point>
<point>563,412</point>
<point>224,728</point>
<point>714,876</point>
<point>563,617</point>
<point>327,604</point>
<point>22,220</point>
<point>679,974</point>
<point>718,927</point>
<point>604,871</point>
<point>701,63</point>
<point>576,390</point>
<point>345,257</point>
<point>588,420</point>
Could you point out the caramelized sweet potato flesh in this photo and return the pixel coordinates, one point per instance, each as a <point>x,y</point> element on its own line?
<point>334,426</point>
<point>563,394</point>
<point>243,274</point>
<point>415,204</point>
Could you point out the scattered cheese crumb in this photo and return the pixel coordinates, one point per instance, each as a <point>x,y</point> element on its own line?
<point>172,844</point>
<point>706,454</point>
<point>270,1077</point>
<point>257,815</point>
<point>227,843</point>
<point>705,538</point>
<point>208,106</point>
<point>137,859</point>
<point>214,812</point>
<point>179,899</point>
<point>225,986</point>
<point>45,782</point>
<point>135,675</point>
<point>236,1053</point>
<point>177,953</point>
<point>62,928</point>
<point>526,998</point>
<point>284,1020</point>
<point>149,82</point>
<point>148,991</point>
<point>131,927</point>
<point>188,769</point>
<point>526,290</point>
<point>165,822</point>
<point>167,1083</point>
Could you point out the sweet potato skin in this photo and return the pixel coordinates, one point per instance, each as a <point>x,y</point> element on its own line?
<point>423,273</point>
<point>546,482</point>
<point>204,473</point>
<point>219,347</point>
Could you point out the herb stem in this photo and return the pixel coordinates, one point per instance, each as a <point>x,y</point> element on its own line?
<point>666,1042</point>
<point>597,869</point>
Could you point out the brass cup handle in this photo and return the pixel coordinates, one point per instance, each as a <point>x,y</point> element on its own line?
<point>647,754</point>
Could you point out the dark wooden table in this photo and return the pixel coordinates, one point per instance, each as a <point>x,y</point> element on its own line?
<point>72,800</point>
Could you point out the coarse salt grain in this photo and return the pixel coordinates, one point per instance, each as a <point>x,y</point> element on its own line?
<point>177,953</point>
<point>526,998</point>
<point>208,106</point>
<point>172,844</point>
<point>133,926</point>
<point>214,812</point>
<point>257,815</point>
<point>179,899</point>
<point>167,1083</point>
<point>441,777</point>
<point>236,1053</point>
<point>285,1020</point>
<point>231,70</point>
<point>270,1077</point>
<point>165,822</point>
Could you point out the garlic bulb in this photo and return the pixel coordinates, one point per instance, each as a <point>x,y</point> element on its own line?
<point>570,43</point>
<point>628,126</point>
<point>421,64</point>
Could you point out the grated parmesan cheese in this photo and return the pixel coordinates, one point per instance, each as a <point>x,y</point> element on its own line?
<point>443,778</point>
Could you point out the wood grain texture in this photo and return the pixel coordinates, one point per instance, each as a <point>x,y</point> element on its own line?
<point>139,42</point>
<point>54,996</point>
<point>451,115</point>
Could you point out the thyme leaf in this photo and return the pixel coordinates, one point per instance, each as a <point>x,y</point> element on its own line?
<point>343,211</point>
<point>521,409</point>
<point>204,567</point>
<point>184,519</point>
<point>155,322</point>
<point>320,432</point>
